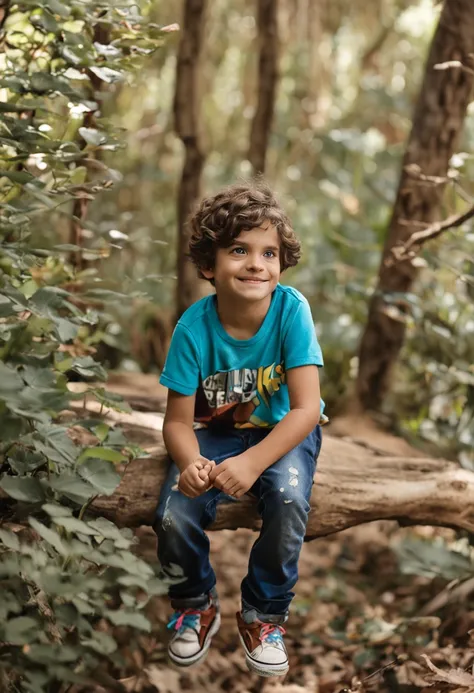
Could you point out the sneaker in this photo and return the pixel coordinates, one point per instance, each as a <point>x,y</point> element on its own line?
<point>265,651</point>
<point>193,633</point>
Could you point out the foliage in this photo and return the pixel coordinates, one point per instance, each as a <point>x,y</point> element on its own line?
<point>65,574</point>
<point>349,75</point>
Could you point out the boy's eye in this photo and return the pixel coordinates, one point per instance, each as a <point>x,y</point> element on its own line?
<point>238,251</point>
<point>269,253</point>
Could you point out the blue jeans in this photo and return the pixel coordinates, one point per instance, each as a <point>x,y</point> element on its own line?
<point>283,492</point>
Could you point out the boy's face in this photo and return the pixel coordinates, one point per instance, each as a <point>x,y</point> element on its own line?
<point>250,268</point>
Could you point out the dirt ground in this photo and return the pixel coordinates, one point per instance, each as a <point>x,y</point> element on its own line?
<point>362,619</point>
<point>342,632</point>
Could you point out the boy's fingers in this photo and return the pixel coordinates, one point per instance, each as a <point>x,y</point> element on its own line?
<point>194,479</point>
<point>224,481</point>
<point>217,470</point>
<point>233,488</point>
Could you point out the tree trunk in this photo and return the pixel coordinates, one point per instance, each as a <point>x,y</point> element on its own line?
<point>81,203</point>
<point>267,16</point>
<point>186,118</point>
<point>4,10</point>
<point>437,125</point>
<point>353,485</point>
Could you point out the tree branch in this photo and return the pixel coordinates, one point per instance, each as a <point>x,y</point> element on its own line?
<point>409,249</point>
<point>353,485</point>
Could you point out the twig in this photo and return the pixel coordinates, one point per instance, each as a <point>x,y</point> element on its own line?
<point>419,238</point>
<point>414,171</point>
<point>453,63</point>
<point>451,593</point>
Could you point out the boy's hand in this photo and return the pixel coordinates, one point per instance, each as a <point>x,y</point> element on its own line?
<point>194,480</point>
<point>235,476</point>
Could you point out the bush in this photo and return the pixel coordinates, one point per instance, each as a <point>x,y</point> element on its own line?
<point>61,572</point>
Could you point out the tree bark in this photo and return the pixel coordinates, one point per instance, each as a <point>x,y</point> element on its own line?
<point>4,10</point>
<point>186,118</point>
<point>81,203</point>
<point>353,485</point>
<point>267,23</point>
<point>437,125</point>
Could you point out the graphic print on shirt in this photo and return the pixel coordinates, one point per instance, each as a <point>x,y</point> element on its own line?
<point>231,398</point>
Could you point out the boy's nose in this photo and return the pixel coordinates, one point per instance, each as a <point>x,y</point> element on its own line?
<point>254,264</point>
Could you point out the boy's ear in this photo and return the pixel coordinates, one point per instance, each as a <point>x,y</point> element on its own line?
<point>207,273</point>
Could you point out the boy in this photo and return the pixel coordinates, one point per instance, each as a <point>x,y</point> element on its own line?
<point>243,363</point>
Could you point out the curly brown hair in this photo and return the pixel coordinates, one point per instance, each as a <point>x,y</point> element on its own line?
<point>220,219</point>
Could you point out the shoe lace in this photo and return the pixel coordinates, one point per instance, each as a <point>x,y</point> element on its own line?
<point>272,633</point>
<point>184,618</point>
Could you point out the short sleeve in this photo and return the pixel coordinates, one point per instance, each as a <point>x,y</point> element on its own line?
<point>300,345</point>
<point>181,371</point>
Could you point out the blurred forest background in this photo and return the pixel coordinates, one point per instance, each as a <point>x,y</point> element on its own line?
<point>321,96</point>
<point>349,78</point>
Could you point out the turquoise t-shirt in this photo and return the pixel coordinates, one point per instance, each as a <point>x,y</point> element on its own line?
<point>241,382</point>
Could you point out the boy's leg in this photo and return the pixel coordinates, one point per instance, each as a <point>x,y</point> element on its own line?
<point>284,492</point>
<point>183,546</point>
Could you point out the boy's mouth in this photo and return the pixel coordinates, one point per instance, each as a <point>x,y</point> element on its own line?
<point>251,280</point>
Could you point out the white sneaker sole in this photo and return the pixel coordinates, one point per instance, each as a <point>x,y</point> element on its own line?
<point>262,669</point>
<point>199,656</point>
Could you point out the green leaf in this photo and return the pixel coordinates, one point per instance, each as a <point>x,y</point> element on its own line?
<point>49,535</point>
<point>44,20</point>
<point>21,630</point>
<point>106,295</point>
<point>101,431</point>
<point>9,539</point>
<point>54,510</point>
<point>103,643</point>
<point>51,654</point>
<point>101,453</point>
<point>88,368</point>
<point>57,7</point>
<point>6,307</point>
<point>83,606</point>
<point>43,82</point>
<point>431,559</point>
<point>74,56</point>
<point>129,618</point>
<point>92,136</point>
<point>58,445</point>
<point>17,176</point>
<point>108,530</point>
<point>107,50</point>
<point>72,487</point>
<point>101,474</point>
<point>24,461</point>
<point>23,488</point>
<point>71,524</point>
<point>38,377</point>
<point>67,330</point>
<point>106,74</point>
<point>48,300</point>
<point>10,381</point>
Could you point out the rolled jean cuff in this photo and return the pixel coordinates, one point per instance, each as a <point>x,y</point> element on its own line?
<point>201,601</point>
<point>250,614</point>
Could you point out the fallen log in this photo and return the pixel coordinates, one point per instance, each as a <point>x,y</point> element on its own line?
<point>353,485</point>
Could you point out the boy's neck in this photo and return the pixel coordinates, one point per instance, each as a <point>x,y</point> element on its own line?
<point>242,319</point>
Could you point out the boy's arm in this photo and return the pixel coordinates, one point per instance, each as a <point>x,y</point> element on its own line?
<point>183,447</point>
<point>178,434</point>
<point>304,414</point>
<point>237,474</point>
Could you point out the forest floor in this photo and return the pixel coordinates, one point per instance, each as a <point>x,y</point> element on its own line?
<point>362,619</point>
<point>342,631</point>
